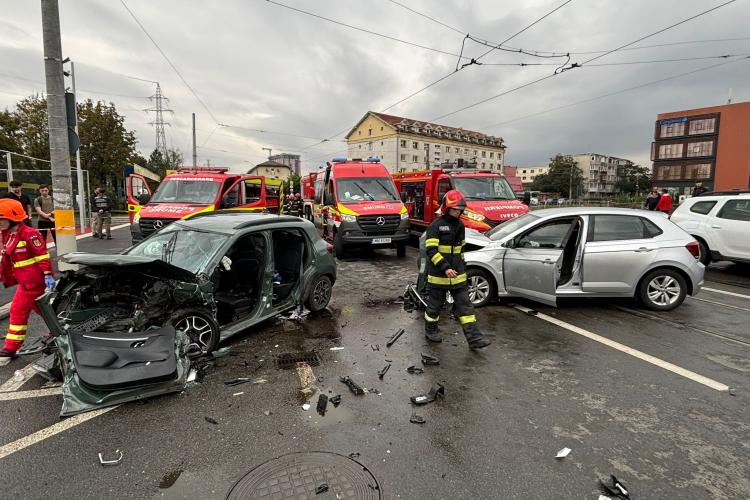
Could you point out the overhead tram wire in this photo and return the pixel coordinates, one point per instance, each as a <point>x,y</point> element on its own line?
<point>579,65</point>
<point>626,63</point>
<point>428,17</point>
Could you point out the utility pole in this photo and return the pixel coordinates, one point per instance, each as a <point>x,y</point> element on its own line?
<point>195,154</point>
<point>570,184</point>
<point>10,166</point>
<point>58,131</point>
<point>269,152</point>
<point>158,123</point>
<point>79,172</point>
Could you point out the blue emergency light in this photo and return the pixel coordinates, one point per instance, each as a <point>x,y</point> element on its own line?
<point>339,159</point>
<point>373,159</point>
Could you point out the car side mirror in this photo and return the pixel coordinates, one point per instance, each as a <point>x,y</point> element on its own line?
<point>143,198</point>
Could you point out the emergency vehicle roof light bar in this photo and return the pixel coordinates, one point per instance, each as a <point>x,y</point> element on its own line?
<point>373,159</point>
<point>203,170</point>
<point>339,159</point>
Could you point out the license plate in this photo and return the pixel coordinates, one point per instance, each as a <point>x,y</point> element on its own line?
<point>377,241</point>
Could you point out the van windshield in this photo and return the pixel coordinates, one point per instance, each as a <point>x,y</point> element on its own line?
<point>357,189</point>
<point>484,188</point>
<point>201,192</point>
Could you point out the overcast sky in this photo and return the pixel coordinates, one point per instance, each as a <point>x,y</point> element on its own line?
<point>261,66</point>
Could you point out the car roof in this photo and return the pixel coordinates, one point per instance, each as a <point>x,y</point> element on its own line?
<point>229,221</point>
<point>551,212</point>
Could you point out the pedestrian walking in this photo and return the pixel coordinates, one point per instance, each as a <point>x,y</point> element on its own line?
<point>665,202</point>
<point>26,263</point>
<point>16,193</point>
<point>102,207</point>
<point>446,272</point>
<point>699,189</point>
<point>652,199</point>
<point>44,206</point>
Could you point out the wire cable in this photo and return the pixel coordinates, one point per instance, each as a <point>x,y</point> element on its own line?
<point>427,17</point>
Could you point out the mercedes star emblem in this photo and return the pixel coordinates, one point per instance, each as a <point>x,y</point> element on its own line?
<point>158,224</point>
<point>380,221</point>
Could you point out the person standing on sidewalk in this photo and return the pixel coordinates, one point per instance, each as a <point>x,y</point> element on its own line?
<point>665,202</point>
<point>16,193</point>
<point>45,208</point>
<point>652,199</point>
<point>102,207</point>
<point>699,189</point>
<point>446,272</point>
<point>26,263</point>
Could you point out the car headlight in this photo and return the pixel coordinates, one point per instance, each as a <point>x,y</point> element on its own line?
<point>474,216</point>
<point>404,215</point>
<point>348,218</point>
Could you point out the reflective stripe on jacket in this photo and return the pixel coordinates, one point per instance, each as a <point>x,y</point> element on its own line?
<point>25,258</point>
<point>444,245</point>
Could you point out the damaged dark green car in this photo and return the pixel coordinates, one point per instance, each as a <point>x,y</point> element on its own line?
<point>127,326</point>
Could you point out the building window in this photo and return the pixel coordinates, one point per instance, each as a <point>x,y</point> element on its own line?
<point>492,154</point>
<point>403,157</point>
<point>359,132</point>
<point>672,130</point>
<point>437,146</point>
<point>456,151</point>
<point>475,152</point>
<point>704,126</point>
<point>403,143</point>
<point>668,172</point>
<point>415,158</point>
<point>698,171</point>
<point>369,131</point>
<point>484,154</point>
<point>466,151</point>
<point>415,145</point>
<point>491,165</point>
<point>524,171</point>
<point>369,146</point>
<point>704,148</point>
<point>360,146</point>
<point>381,129</point>
<point>670,151</point>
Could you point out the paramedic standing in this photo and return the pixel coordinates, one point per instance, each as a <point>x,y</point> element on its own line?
<point>446,272</point>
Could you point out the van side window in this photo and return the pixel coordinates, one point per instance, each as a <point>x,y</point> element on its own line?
<point>252,191</point>
<point>444,186</point>
<point>702,207</point>
<point>231,198</point>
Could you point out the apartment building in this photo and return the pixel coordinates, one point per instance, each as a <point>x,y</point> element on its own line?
<point>600,173</point>
<point>290,160</point>
<point>528,174</point>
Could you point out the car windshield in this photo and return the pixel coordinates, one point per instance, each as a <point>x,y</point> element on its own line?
<point>187,191</point>
<point>484,188</point>
<point>506,228</point>
<point>183,248</point>
<point>359,189</point>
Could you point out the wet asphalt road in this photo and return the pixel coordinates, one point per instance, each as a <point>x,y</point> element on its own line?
<point>507,410</point>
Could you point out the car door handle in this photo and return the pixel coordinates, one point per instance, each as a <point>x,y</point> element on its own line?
<point>643,250</point>
<point>548,261</point>
<point>715,226</point>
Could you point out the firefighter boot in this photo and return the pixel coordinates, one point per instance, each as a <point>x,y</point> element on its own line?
<point>476,340</point>
<point>6,356</point>
<point>431,331</point>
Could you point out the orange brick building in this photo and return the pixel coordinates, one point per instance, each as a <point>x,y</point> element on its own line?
<point>707,144</point>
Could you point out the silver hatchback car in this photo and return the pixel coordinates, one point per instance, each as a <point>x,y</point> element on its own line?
<point>585,252</point>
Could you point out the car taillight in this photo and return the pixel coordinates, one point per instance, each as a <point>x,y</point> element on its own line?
<point>694,248</point>
<point>329,248</point>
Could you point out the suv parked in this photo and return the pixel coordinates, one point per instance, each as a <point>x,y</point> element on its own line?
<point>721,224</point>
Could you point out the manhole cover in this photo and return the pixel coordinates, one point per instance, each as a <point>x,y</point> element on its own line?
<point>299,475</point>
<point>289,360</point>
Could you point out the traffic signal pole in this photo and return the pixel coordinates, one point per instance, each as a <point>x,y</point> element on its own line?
<point>58,131</point>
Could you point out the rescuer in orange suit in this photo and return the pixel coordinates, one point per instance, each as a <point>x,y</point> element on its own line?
<point>26,263</point>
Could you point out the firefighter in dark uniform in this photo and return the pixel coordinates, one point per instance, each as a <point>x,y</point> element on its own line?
<point>446,272</point>
<point>296,205</point>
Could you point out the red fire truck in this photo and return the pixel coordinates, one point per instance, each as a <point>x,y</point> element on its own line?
<point>195,190</point>
<point>355,203</point>
<point>489,198</point>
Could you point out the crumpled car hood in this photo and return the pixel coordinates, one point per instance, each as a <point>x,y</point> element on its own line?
<point>150,265</point>
<point>474,237</point>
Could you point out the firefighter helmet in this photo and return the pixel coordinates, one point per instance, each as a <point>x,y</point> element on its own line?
<point>453,199</point>
<point>12,210</point>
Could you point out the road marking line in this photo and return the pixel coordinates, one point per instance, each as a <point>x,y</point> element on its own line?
<point>721,304</point>
<point>89,235</point>
<point>50,431</point>
<point>733,294</point>
<point>39,393</point>
<point>13,385</point>
<point>713,384</point>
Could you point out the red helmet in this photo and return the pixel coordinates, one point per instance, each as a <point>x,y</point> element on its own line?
<point>453,199</point>
<point>12,210</point>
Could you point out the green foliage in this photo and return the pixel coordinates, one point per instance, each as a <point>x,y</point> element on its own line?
<point>295,180</point>
<point>563,173</point>
<point>633,179</point>
<point>159,164</point>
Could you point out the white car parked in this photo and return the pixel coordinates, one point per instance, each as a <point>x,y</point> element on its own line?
<point>720,222</point>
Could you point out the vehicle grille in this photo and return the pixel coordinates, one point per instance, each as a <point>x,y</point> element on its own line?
<point>370,226</point>
<point>147,225</point>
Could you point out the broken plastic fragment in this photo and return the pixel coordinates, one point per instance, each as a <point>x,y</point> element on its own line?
<point>375,347</point>
<point>238,394</point>
<point>563,453</point>
<point>306,406</point>
<point>382,372</point>
<point>417,419</point>
<point>335,400</point>
<point>339,348</point>
<point>267,413</point>
<point>218,353</point>
<point>322,404</point>
<point>415,370</point>
<point>192,375</point>
<point>353,386</point>
<point>210,420</point>
<point>115,461</point>
<point>354,455</point>
<point>392,340</point>
<point>615,488</point>
<point>321,489</point>
<point>429,360</point>
<point>437,391</point>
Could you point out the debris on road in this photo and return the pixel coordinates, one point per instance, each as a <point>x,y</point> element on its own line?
<point>354,455</point>
<point>375,347</point>
<point>437,391</point>
<point>218,353</point>
<point>395,337</point>
<point>415,370</point>
<point>116,461</point>
<point>563,453</point>
<point>322,405</point>
<point>615,488</point>
<point>337,348</point>
<point>532,312</point>
<point>244,380</point>
<point>321,488</point>
<point>210,420</point>
<point>267,413</point>
<point>306,406</point>
<point>417,419</point>
<point>192,376</point>
<point>428,360</point>
<point>353,386</point>
<point>382,372</point>
<point>238,393</point>
<point>335,400</point>
<point>307,381</point>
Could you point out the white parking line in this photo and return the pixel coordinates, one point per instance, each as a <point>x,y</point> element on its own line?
<point>738,308</point>
<point>733,294</point>
<point>39,393</point>
<point>89,235</point>
<point>50,431</point>
<point>713,384</point>
<point>13,385</point>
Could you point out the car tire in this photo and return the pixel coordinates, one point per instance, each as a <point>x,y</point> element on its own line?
<point>338,246</point>
<point>482,289</point>
<point>401,250</point>
<point>662,290</point>
<point>319,294</point>
<point>200,326</point>
<point>705,253</point>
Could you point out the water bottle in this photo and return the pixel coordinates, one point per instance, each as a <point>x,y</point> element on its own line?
<point>18,376</point>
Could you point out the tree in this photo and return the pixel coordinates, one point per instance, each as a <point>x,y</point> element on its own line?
<point>9,130</point>
<point>633,179</point>
<point>295,181</point>
<point>563,174</point>
<point>159,164</point>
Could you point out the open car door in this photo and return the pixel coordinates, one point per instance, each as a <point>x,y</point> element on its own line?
<point>138,193</point>
<point>255,192</point>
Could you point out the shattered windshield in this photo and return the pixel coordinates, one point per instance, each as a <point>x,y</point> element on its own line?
<point>484,188</point>
<point>359,189</point>
<point>186,249</point>
<point>198,191</point>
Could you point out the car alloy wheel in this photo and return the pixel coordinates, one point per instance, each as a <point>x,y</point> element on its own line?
<point>201,329</point>
<point>481,287</point>
<point>664,290</point>
<point>320,295</point>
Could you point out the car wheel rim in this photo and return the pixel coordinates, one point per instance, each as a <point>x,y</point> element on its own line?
<point>664,290</point>
<point>321,293</point>
<point>479,289</point>
<point>197,329</point>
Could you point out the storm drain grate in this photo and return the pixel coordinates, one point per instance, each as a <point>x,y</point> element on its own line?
<point>300,476</point>
<point>289,360</point>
